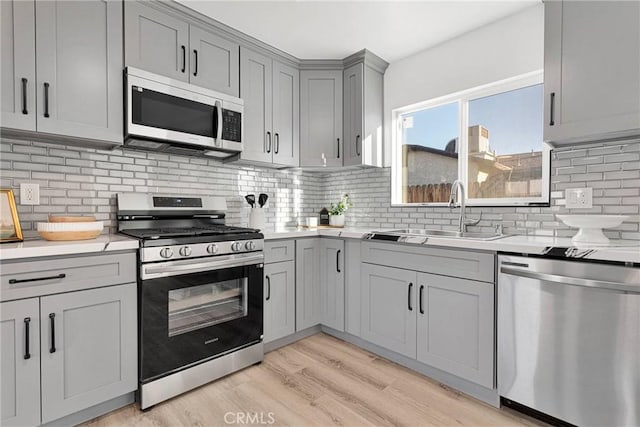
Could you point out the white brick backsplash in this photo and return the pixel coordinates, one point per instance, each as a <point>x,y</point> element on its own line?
<point>84,181</point>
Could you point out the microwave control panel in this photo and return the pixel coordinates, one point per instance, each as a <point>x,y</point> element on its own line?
<point>231,126</point>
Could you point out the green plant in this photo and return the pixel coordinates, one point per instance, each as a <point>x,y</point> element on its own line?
<point>341,207</point>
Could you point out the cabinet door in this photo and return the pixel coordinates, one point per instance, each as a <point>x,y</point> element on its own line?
<point>352,285</point>
<point>215,62</point>
<point>155,41</point>
<point>89,348</point>
<point>79,69</point>
<point>256,85</point>
<point>389,308</point>
<point>308,293</point>
<point>286,119</point>
<point>18,72</point>
<point>332,279</point>
<point>20,363</point>
<point>321,118</point>
<point>353,114</point>
<point>280,300</point>
<point>592,64</point>
<point>456,327</point>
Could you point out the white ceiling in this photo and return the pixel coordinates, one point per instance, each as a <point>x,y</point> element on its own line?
<point>336,29</point>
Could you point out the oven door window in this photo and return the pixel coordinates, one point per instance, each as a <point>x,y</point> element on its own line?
<point>206,305</point>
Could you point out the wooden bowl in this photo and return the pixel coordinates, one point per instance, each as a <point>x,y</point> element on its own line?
<point>70,235</point>
<point>89,218</point>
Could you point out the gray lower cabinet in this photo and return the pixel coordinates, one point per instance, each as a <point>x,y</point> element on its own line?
<point>279,300</point>
<point>18,90</point>
<point>20,363</point>
<point>352,286</point>
<point>308,283</point>
<point>215,61</point>
<point>332,281</point>
<point>320,118</point>
<point>456,327</point>
<point>89,348</point>
<point>389,308</point>
<point>591,69</point>
<point>48,50</point>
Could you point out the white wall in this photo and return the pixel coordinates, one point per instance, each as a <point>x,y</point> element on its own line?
<point>511,46</point>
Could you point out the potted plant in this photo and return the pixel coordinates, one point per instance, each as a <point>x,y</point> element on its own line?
<point>336,212</point>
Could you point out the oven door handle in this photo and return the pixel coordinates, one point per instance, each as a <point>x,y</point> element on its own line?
<point>174,268</point>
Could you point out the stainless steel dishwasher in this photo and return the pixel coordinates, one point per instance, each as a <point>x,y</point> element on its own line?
<point>569,339</point>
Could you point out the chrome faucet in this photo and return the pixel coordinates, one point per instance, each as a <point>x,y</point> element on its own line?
<point>458,188</point>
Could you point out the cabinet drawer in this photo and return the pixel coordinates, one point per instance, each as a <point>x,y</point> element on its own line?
<point>279,250</point>
<point>63,274</point>
<point>447,262</point>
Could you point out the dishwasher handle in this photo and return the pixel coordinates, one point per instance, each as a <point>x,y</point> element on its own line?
<point>573,281</point>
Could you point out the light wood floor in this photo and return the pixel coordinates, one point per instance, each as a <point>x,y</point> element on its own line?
<point>322,381</point>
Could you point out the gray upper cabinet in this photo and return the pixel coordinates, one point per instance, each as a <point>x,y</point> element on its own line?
<point>156,41</point>
<point>20,362</point>
<point>18,70</point>
<point>321,118</point>
<point>270,91</point>
<point>75,40</point>
<point>591,69</point>
<point>215,62</point>
<point>363,116</point>
<point>308,285</point>
<point>279,300</point>
<point>389,308</point>
<point>332,280</point>
<point>456,327</point>
<point>89,352</point>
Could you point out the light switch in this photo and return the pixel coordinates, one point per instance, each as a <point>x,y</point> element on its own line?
<point>579,198</point>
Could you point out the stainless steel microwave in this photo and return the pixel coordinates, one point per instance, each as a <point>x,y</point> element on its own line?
<point>168,115</point>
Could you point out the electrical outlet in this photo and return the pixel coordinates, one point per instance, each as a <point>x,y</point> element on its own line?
<point>29,194</point>
<point>579,198</point>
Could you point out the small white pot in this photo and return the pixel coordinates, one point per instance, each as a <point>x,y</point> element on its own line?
<point>336,220</point>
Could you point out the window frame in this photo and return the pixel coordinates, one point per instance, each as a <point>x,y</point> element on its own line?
<point>463,98</point>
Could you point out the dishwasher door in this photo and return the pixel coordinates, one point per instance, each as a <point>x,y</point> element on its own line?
<point>569,339</point>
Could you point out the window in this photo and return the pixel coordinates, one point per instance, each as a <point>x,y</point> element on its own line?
<point>490,138</point>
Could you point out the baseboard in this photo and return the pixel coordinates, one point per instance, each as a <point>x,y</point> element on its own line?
<point>94,411</point>
<point>290,339</point>
<point>476,391</point>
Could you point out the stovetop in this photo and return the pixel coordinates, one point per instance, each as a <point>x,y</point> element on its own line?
<point>172,232</point>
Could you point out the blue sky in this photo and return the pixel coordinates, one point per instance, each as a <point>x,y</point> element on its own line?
<point>514,120</point>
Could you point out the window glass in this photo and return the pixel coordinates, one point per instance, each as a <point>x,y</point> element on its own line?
<point>429,153</point>
<point>505,148</point>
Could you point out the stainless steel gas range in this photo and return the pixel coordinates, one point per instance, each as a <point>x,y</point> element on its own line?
<point>200,289</point>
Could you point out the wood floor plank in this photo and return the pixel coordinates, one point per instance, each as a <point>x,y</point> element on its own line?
<point>320,381</point>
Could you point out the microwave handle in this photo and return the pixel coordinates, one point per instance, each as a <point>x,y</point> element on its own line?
<point>217,121</point>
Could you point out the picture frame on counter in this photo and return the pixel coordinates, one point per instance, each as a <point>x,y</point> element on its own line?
<point>10,230</point>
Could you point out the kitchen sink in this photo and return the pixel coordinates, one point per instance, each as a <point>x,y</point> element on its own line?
<point>448,233</point>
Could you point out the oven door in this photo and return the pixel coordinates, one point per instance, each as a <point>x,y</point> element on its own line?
<point>197,309</point>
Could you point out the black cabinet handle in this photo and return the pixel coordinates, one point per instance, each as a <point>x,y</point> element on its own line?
<point>195,71</point>
<point>46,99</point>
<point>357,151</point>
<point>268,142</point>
<point>409,296</point>
<point>277,143</point>
<point>338,260</point>
<point>27,355</point>
<point>420,299</point>
<point>24,96</point>
<point>338,141</point>
<point>37,279</point>
<point>52,321</point>
<point>552,109</point>
<point>268,288</point>
<point>184,58</point>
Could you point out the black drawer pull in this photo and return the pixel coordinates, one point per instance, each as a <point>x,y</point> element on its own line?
<point>184,58</point>
<point>27,355</point>
<point>338,260</point>
<point>552,109</point>
<point>37,279</point>
<point>268,288</point>
<point>357,151</point>
<point>420,299</point>
<point>24,96</point>
<point>338,141</point>
<point>195,71</point>
<point>52,320</point>
<point>46,99</point>
<point>409,297</point>
<point>276,144</point>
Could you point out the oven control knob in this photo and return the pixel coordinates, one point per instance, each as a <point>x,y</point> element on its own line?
<point>212,249</point>
<point>236,246</point>
<point>166,253</point>
<point>185,251</point>
<point>250,246</point>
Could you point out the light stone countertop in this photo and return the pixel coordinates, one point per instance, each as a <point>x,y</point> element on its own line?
<point>617,250</point>
<point>33,248</point>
